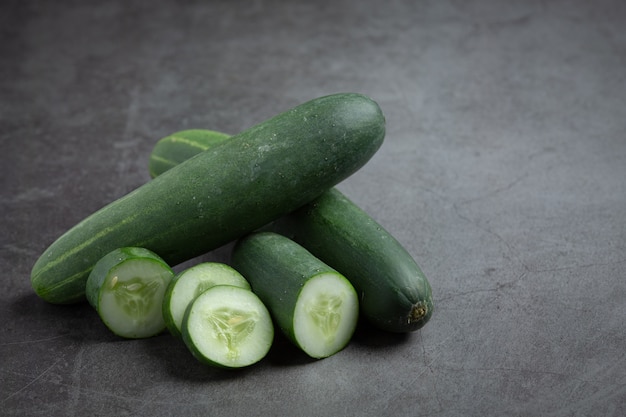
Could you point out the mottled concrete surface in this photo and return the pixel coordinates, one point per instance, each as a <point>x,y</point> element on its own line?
<point>503,173</point>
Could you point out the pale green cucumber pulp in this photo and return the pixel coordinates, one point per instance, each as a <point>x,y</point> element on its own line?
<point>325,315</point>
<point>188,284</point>
<point>228,326</point>
<point>126,287</point>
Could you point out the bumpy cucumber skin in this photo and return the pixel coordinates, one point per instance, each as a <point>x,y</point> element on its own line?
<point>180,146</point>
<point>222,193</point>
<point>277,269</point>
<point>394,294</point>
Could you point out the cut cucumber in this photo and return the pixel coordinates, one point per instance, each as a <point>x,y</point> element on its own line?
<point>126,288</point>
<point>228,326</point>
<point>189,284</point>
<point>314,305</point>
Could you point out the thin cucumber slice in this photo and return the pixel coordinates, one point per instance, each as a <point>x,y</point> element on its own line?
<point>228,326</point>
<point>189,284</point>
<point>315,306</point>
<point>126,287</point>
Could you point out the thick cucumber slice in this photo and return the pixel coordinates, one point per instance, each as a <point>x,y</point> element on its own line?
<point>228,326</point>
<point>126,288</point>
<point>189,284</point>
<point>314,305</point>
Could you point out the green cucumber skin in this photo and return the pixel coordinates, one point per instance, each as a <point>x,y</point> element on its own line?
<point>276,268</point>
<point>180,146</point>
<point>343,235</point>
<point>394,294</point>
<point>222,193</point>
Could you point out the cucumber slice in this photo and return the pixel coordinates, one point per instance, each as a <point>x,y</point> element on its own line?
<point>126,288</point>
<point>189,284</point>
<point>325,315</point>
<point>315,306</point>
<point>228,326</point>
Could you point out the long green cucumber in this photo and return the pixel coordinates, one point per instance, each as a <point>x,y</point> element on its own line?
<point>222,193</point>
<point>395,294</point>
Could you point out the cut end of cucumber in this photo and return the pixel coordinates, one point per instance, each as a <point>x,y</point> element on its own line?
<point>228,326</point>
<point>131,296</point>
<point>192,282</point>
<point>326,315</point>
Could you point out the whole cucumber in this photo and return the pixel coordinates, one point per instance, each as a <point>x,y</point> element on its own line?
<point>222,193</point>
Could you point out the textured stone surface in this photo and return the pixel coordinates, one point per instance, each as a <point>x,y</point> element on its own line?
<point>503,173</point>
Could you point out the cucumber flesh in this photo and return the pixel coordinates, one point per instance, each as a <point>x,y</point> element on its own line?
<point>189,284</point>
<point>126,288</point>
<point>228,326</point>
<point>326,314</point>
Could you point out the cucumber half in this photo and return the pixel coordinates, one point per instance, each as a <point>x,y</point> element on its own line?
<point>315,306</point>
<point>126,287</point>
<point>228,326</point>
<point>189,284</point>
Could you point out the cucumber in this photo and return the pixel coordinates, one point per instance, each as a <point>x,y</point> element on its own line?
<point>393,292</point>
<point>395,295</point>
<point>313,305</point>
<point>222,193</point>
<point>189,284</point>
<point>126,288</point>
<point>180,146</point>
<point>228,326</point>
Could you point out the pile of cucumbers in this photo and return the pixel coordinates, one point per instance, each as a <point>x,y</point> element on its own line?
<point>306,259</point>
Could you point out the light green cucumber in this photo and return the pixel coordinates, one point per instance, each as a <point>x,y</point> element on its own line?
<point>314,305</point>
<point>126,288</point>
<point>188,284</point>
<point>222,193</point>
<point>228,326</point>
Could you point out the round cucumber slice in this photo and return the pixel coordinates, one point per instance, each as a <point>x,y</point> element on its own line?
<point>325,315</point>
<point>126,288</point>
<point>228,326</point>
<point>189,284</point>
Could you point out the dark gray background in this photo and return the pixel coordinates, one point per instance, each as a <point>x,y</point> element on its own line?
<point>503,173</point>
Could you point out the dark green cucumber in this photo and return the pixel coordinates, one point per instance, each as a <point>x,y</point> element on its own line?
<point>222,193</point>
<point>314,306</point>
<point>180,146</point>
<point>126,287</point>
<point>395,294</point>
